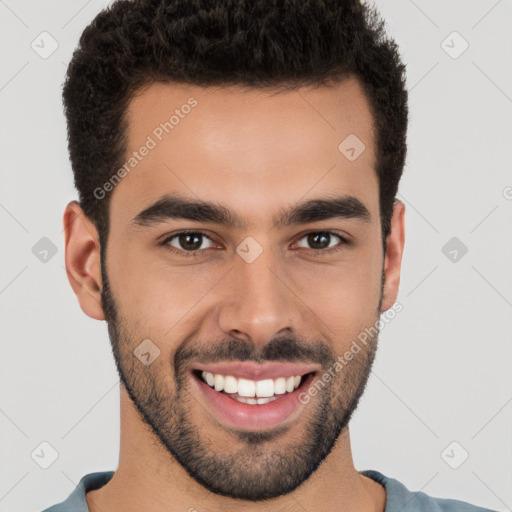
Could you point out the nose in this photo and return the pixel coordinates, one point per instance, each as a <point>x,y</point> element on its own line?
<point>258,301</point>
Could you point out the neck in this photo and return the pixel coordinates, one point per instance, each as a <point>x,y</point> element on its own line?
<point>149,478</point>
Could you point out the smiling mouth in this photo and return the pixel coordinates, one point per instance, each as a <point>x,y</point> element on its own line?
<point>254,405</point>
<point>254,392</point>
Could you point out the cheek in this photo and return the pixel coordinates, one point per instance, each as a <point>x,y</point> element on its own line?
<point>344,296</point>
<point>155,298</point>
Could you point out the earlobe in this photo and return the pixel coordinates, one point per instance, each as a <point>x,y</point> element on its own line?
<point>83,264</point>
<point>393,260</point>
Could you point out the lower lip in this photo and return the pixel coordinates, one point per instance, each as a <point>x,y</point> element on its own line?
<point>253,417</point>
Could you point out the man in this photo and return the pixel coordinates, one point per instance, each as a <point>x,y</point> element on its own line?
<point>237,164</point>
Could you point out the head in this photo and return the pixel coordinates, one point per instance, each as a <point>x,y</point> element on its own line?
<point>275,137</point>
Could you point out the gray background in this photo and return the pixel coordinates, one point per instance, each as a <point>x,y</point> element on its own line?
<point>443,370</point>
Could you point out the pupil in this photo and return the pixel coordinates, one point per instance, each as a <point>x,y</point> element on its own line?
<point>186,244</point>
<point>313,240</point>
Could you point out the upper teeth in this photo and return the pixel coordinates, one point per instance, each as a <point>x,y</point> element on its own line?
<point>245,387</point>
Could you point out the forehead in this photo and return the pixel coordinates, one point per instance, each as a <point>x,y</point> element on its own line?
<point>254,150</point>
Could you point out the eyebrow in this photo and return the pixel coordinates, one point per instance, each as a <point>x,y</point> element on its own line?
<point>177,207</point>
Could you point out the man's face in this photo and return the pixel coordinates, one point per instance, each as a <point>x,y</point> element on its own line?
<point>292,293</point>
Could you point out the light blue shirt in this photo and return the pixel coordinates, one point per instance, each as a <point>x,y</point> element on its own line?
<point>399,498</point>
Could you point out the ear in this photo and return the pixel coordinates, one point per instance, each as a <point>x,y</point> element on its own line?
<point>393,260</point>
<point>83,265</point>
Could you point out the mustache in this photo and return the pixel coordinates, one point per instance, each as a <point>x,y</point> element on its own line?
<point>292,349</point>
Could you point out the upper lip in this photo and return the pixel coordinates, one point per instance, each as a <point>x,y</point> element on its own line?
<point>254,371</point>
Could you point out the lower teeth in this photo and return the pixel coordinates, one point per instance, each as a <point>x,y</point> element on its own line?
<point>254,401</point>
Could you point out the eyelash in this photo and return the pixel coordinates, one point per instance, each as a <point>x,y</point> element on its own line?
<point>197,252</point>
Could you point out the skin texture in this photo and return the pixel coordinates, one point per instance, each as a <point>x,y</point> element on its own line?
<point>256,153</point>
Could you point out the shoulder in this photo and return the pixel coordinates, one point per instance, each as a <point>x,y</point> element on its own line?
<point>398,497</point>
<point>76,502</point>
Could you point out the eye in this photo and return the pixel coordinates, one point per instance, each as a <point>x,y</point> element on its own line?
<point>191,243</point>
<point>323,241</point>
<point>187,243</point>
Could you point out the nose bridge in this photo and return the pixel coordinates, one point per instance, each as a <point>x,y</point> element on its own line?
<point>256,302</point>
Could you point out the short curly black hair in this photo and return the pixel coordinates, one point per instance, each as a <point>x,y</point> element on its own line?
<point>254,43</point>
